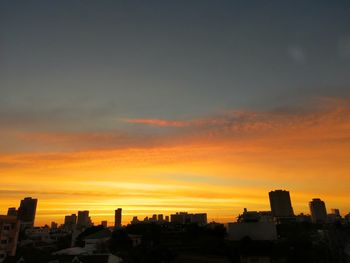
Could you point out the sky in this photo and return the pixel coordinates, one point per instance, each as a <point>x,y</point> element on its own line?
<point>166,106</point>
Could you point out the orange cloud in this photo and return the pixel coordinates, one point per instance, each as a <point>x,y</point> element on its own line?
<point>217,164</point>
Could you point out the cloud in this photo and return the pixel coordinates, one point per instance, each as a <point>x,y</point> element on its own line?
<point>327,118</point>
<point>234,153</point>
<point>326,112</point>
<point>159,122</point>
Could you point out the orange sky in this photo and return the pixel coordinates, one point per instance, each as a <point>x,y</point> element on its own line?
<point>217,164</point>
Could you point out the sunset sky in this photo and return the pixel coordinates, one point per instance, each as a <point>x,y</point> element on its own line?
<point>166,106</point>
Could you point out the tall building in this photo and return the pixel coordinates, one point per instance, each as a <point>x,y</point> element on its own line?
<point>104,223</point>
<point>70,220</point>
<point>26,211</point>
<point>12,211</point>
<point>9,231</point>
<point>281,205</point>
<point>83,219</point>
<point>118,218</point>
<point>318,211</point>
<point>160,218</point>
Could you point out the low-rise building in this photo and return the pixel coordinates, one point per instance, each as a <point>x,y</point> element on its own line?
<point>255,216</point>
<point>253,230</point>
<point>301,218</point>
<point>253,224</point>
<point>9,231</point>
<point>347,218</point>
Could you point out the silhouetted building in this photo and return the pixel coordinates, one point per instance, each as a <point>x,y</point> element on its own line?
<point>158,219</point>
<point>12,211</point>
<point>9,231</point>
<point>303,218</point>
<point>281,205</point>
<point>118,218</point>
<point>26,212</point>
<point>54,225</point>
<point>135,220</point>
<point>104,223</point>
<point>200,218</point>
<point>253,224</point>
<point>70,221</point>
<point>253,230</point>
<point>255,216</point>
<point>347,218</point>
<point>336,212</point>
<point>334,216</point>
<point>180,218</point>
<point>318,211</point>
<point>154,218</point>
<point>84,220</point>
<point>185,218</point>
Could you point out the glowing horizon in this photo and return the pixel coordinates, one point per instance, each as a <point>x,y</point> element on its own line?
<point>166,106</point>
<point>218,164</point>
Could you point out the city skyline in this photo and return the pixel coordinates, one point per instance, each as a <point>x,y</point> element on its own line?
<point>171,106</point>
<point>280,204</point>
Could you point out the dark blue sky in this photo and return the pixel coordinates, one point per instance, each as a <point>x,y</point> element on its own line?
<point>87,64</point>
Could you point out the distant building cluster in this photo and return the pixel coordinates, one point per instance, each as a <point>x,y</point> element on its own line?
<point>261,225</point>
<point>177,218</point>
<point>78,227</point>
<point>156,218</point>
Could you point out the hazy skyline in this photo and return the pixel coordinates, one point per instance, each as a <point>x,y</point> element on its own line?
<point>164,106</point>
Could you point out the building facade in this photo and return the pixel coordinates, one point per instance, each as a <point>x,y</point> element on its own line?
<point>70,221</point>
<point>118,218</point>
<point>254,230</point>
<point>185,218</point>
<point>318,211</point>
<point>27,211</point>
<point>281,205</point>
<point>9,231</point>
<point>83,220</point>
<point>12,211</point>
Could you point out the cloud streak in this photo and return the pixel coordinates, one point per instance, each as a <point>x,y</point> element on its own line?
<point>244,152</point>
